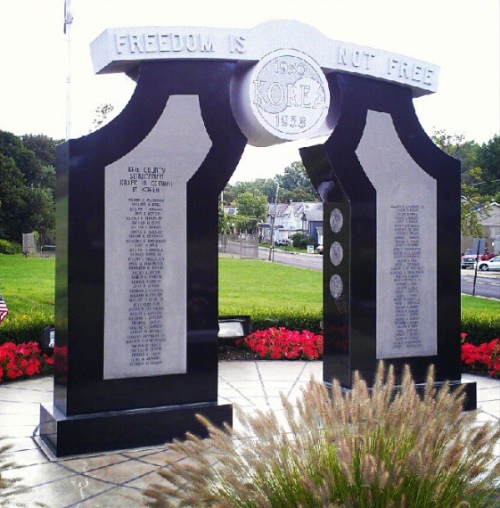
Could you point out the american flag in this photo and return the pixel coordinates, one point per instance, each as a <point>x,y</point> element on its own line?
<point>3,308</point>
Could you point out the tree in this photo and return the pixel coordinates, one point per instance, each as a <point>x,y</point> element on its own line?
<point>488,158</point>
<point>472,203</point>
<point>457,147</point>
<point>228,194</point>
<point>13,207</point>
<point>295,184</point>
<point>48,178</point>
<point>473,200</point>
<point>252,209</point>
<point>267,187</point>
<point>41,208</point>
<point>42,146</point>
<point>223,220</point>
<point>25,160</point>
<point>253,206</point>
<point>28,185</point>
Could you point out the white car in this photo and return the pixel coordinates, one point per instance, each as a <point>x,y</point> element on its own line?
<point>491,264</point>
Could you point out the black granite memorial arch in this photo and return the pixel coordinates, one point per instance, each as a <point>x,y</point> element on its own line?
<point>145,354</point>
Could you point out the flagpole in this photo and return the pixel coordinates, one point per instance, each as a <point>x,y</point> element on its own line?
<point>68,20</point>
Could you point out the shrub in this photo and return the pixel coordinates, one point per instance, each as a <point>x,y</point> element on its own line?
<point>285,318</point>
<point>20,328</point>
<point>366,448</point>
<point>480,327</point>
<point>7,247</point>
<point>301,240</point>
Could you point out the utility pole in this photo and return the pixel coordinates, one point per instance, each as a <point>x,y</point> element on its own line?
<point>273,219</point>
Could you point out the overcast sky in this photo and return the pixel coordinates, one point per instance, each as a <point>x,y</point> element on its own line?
<point>461,36</point>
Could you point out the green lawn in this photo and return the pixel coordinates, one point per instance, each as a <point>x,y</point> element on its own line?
<point>246,284</point>
<point>27,285</point>
<point>477,305</point>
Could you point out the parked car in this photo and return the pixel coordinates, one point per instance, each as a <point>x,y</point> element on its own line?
<point>483,257</point>
<point>487,256</point>
<point>469,261</point>
<point>490,264</point>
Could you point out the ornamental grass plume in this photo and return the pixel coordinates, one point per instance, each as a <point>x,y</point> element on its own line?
<point>368,448</point>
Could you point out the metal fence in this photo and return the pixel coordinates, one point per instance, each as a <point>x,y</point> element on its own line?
<point>239,246</point>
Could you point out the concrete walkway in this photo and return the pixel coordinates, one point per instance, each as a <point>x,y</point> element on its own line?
<point>116,479</point>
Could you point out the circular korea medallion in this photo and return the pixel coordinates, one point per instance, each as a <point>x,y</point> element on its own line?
<point>336,220</point>
<point>336,286</point>
<point>289,94</point>
<point>283,97</point>
<point>336,253</point>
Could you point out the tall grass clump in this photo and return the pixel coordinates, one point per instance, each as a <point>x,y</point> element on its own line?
<point>369,448</point>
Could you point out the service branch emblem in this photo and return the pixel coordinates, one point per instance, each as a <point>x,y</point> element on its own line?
<point>289,94</point>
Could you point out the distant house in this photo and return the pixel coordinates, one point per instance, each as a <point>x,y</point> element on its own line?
<point>285,220</point>
<point>314,221</point>
<point>230,210</point>
<point>489,218</point>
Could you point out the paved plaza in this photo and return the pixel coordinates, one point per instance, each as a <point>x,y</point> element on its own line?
<point>117,479</point>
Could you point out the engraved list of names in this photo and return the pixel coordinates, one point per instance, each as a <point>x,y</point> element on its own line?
<point>406,243</point>
<point>144,323</point>
<point>145,309</point>
<point>406,272</point>
<point>146,263</point>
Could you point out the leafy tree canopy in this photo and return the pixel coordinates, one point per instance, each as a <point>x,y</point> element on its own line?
<point>28,185</point>
<point>480,170</point>
<point>293,185</point>
<point>252,206</point>
<point>295,176</point>
<point>13,204</point>
<point>13,147</point>
<point>488,159</point>
<point>42,146</point>
<point>479,167</point>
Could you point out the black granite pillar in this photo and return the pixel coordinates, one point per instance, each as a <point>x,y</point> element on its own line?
<point>353,309</point>
<point>91,413</point>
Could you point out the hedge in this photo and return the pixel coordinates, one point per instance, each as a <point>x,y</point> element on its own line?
<point>25,328</point>
<point>480,327</point>
<point>7,247</point>
<point>296,320</point>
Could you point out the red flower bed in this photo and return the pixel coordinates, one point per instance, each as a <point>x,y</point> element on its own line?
<point>283,344</point>
<point>485,357</point>
<point>23,360</point>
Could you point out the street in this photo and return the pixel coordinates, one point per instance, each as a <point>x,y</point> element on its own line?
<point>487,283</point>
<point>309,261</point>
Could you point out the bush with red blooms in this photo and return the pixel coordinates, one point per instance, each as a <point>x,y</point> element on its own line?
<point>485,357</point>
<point>23,360</point>
<point>283,344</point>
